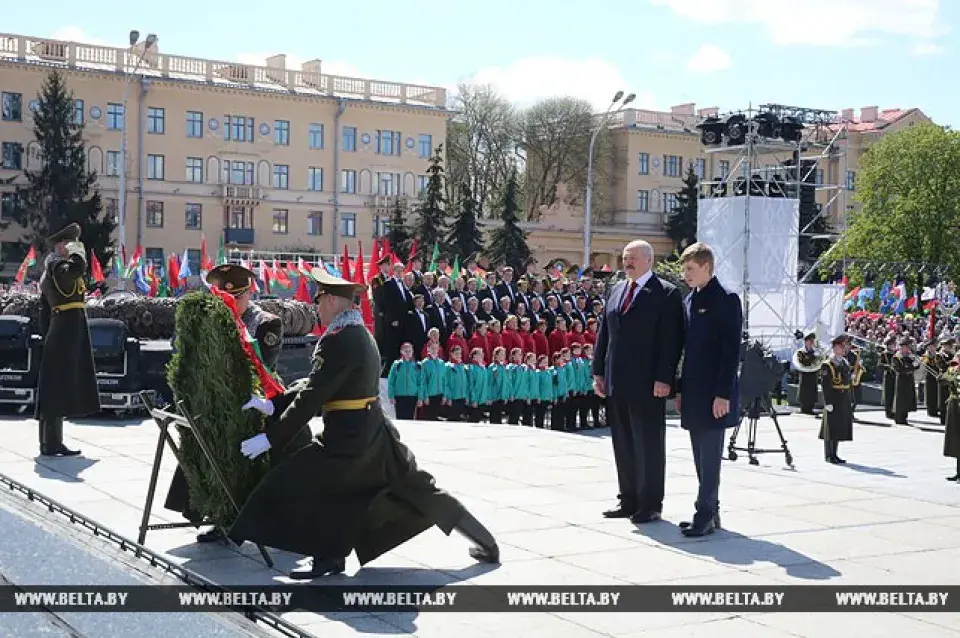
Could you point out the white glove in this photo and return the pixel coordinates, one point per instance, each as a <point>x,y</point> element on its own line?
<point>829,408</point>
<point>255,446</point>
<point>264,406</point>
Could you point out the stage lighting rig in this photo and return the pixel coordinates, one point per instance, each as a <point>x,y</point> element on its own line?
<point>768,125</point>
<point>711,131</point>
<point>737,129</point>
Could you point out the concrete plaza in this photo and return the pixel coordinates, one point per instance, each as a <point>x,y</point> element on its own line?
<point>887,517</point>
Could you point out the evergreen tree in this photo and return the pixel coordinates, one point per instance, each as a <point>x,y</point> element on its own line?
<point>399,235</point>
<point>508,243</point>
<point>431,216</point>
<point>682,220</point>
<point>466,237</point>
<point>62,190</point>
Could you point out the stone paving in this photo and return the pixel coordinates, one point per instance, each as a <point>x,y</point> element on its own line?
<point>887,517</point>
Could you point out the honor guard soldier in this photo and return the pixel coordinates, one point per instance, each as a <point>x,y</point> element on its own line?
<point>945,361</point>
<point>889,375</point>
<point>381,329</point>
<point>950,381</point>
<point>357,487</point>
<point>837,424</point>
<point>806,359</point>
<point>905,365</point>
<point>931,374</point>
<point>266,330</point>
<point>67,387</point>
<point>853,357</point>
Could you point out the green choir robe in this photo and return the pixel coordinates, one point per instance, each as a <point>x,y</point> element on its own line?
<point>515,382</point>
<point>432,373</point>
<point>404,379</point>
<point>561,386</point>
<point>455,382</point>
<point>545,390</point>
<point>498,382</point>
<point>478,385</point>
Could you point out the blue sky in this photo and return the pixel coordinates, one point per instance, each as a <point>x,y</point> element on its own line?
<point>830,54</point>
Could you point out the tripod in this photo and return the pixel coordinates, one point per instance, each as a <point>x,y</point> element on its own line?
<point>755,408</point>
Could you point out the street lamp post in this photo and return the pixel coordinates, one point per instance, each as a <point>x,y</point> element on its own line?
<point>588,216</point>
<point>122,222</point>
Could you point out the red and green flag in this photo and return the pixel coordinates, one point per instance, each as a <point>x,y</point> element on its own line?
<point>28,262</point>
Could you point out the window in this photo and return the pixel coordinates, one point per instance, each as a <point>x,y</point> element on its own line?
<point>348,225</point>
<point>851,180</point>
<point>240,218</point>
<point>193,216</point>
<point>113,163</point>
<point>348,181</point>
<point>114,116</point>
<point>315,136</point>
<point>350,138</point>
<point>280,218</point>
<point>672,165</point>
<point>156,121</point>
<point>78,112</point>
<point>315,223</point>
<point>195,170</point>
<point>669,202</point>
<point>424,146</point>
<point>724,167</point>
<point>388,184</point>
<point>155,216</point>
<point>12,156</point>
<point>238,128</point>
<point>112,207</point>
<point>281,176</point>
<point>12,107</point>
<point>238,173</point>
<point>314,179</point>
<point>643,162</point>
<point>194,124</point>
<point>388,142</point>
<point>643,201</point>
<point>193,259</point>
<point>154,256</point>
<point>8,205</point>
<point>281,132</point>
<point>421,184</point>
<point>381,226</point>
<point>700,168</point>
<point>155,167</point>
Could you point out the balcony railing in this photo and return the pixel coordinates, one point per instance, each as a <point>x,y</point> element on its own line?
<point>234,195</point>
<point>307,81</point>
<point>238,236</point>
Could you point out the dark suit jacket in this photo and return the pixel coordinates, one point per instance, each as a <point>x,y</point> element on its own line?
<point>445,325</point>
<point>643,344</point>
<point>711,357</point>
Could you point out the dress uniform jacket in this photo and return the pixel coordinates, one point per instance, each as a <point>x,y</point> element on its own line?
<point>951,438</point>
<point>68,376</point>
<point>356,487</point>
<point>837,424</point>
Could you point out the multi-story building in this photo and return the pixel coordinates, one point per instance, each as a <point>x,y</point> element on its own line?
<point>653,151</point>
<point>269,158</point>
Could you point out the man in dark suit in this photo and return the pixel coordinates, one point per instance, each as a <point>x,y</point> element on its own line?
<point>708,381</point>
<point>634,367</point>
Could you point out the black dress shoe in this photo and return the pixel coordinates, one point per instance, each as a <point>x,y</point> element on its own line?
<point>688,524</point>
<point>61,450</point>
<point>320,567</point>
<point>490,555</point>
<point>619,512</point>
<point>837,459</point>
<point>213,535</point>
<point>955,477</point>
<point>698,530</point>
<point>645,517</point>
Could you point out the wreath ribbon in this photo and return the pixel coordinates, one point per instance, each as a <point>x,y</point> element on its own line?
<point>271,387</point>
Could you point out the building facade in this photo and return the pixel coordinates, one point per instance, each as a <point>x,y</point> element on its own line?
<point>269,158</point>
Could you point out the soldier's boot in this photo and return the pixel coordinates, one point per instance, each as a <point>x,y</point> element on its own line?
<point>837,459</point>
<point>51,438</point>
<point>828,451</point>
<point>485,549</point>
<point>955,477</point>
<point>320,567</point>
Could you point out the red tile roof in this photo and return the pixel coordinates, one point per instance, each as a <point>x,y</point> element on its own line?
<point>884,118</point>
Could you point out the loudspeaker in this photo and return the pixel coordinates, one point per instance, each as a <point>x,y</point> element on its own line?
<point>116,356</point>
<point>155,354</point>
<point>20,353</point>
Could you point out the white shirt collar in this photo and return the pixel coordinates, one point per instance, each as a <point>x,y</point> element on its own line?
<point>644,278</point>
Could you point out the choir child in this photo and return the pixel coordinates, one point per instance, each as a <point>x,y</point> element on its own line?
<point>458,337</point>
<point>515,389</point>
<point>544,391</point>
<point>540,343</point>
<point>479,340</point>
<point>531,387</point>
<point>529,345</point>
<point>403,383</point>
<point>573,392</point>
<point>478,386</point>
<point>494,336</point>
<point>558,338</point>
<point>498,384</point>
<point>593,401</point>
<point>455,385</point>
<point>433,338</point>
<point>558,414</point>
<point>432,373</point>
<point>582,384</point>
<point>510,336</point>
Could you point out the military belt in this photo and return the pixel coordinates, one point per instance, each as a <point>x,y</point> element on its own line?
<point>349,404</point>
<point>841,387</point>
<point>73,305</point>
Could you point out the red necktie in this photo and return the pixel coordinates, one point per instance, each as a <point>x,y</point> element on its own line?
<point>629,297</point>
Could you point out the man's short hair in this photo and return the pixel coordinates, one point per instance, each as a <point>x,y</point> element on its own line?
<point>700,254</point>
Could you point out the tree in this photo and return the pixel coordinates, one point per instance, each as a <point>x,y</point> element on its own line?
<point>466,237</point>
<point>682,220</point>
<point>482,145</point>
<point>908,187</point>
<point>62,190</point>
<point>508,243</point>
<point>556,141</point>
<point>399,235</point>
<point>431,216</point>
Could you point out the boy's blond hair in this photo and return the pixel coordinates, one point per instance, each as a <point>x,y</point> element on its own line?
<point>700,254</point>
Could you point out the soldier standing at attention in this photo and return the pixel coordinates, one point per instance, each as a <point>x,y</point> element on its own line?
<point>889,376</point>
<point>931,373</point>
<point>837,424</point>
<point>944,363</point>
<point>905,365</point>
<point>67,387</point>
<point>856,367</point>
<point>807,388</point>
<point>950,380</point>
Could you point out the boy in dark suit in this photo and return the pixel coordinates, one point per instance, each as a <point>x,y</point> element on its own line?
<point>708,379</point>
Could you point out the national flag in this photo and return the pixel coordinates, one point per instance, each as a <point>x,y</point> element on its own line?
<point>455,271</point>
<point>303,292</point>
<point>374,258</point>
<point>28,262</point>
<point>434,257</point>
<point>140,280</point>
<point>185,270</point>
<point>221,252</point>
<point>345,265</point>
<point>852,294</point>
<point>117,262</point>
<point>96,271</point>
<point>135,260</point>
<point>246,264</point>
<point>205,264</point>
<point>413,253</point>
<point>265,276</point>
<point>280,277</point>
<point>173,271</point>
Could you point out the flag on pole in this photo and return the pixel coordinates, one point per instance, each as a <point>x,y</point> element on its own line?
<point>413,253</point>
<point>135,260</point>
<point>434,257</point>
<point>96,271</point>
<point>117,262</point>
<point>28,262</point>
<point>221,252</point>
<point>205,264</point>
<point>455,271</point>
<point>185,270</point>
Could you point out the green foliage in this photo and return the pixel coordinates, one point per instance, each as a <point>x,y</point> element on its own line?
<point>908,187</point>
<point>431,214</point>
<point>399,234</point>
<point>682,220</point>
<point>508,243</point>
<point>671,270</point>
<point>62,190</point>
<point>466,238</point>
<point>213,377</point>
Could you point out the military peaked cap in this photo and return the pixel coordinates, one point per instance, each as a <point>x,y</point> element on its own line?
<point>71,232</point>
<point>230,278</point>
<point>331,285</point>
<point>384,260</point>
<point>839,340</point>
<point>810,336</point>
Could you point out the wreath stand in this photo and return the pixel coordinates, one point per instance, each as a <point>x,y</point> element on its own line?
<point>185,421</point>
